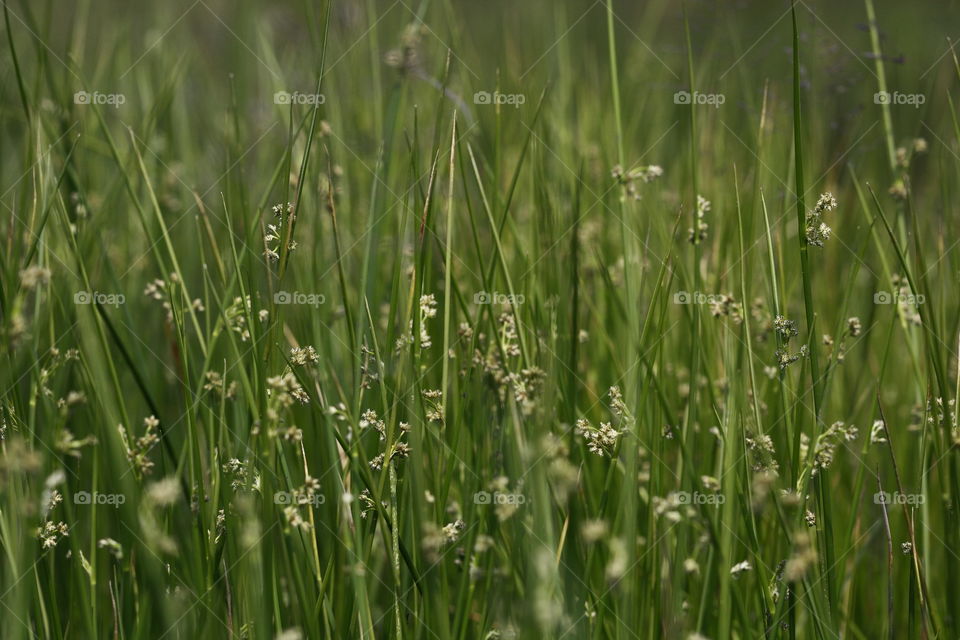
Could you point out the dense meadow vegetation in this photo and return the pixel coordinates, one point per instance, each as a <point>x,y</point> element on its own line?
<point>437,319</point>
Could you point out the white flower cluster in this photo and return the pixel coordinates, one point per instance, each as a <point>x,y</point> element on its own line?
<point>302,356</point>
<point>274,233</point>
<point>601,440</point>
<point>699,234</point>
<point>630,177</point>
<point>817,231</point>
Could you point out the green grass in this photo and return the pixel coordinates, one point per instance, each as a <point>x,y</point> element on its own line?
<point>545,344</point>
